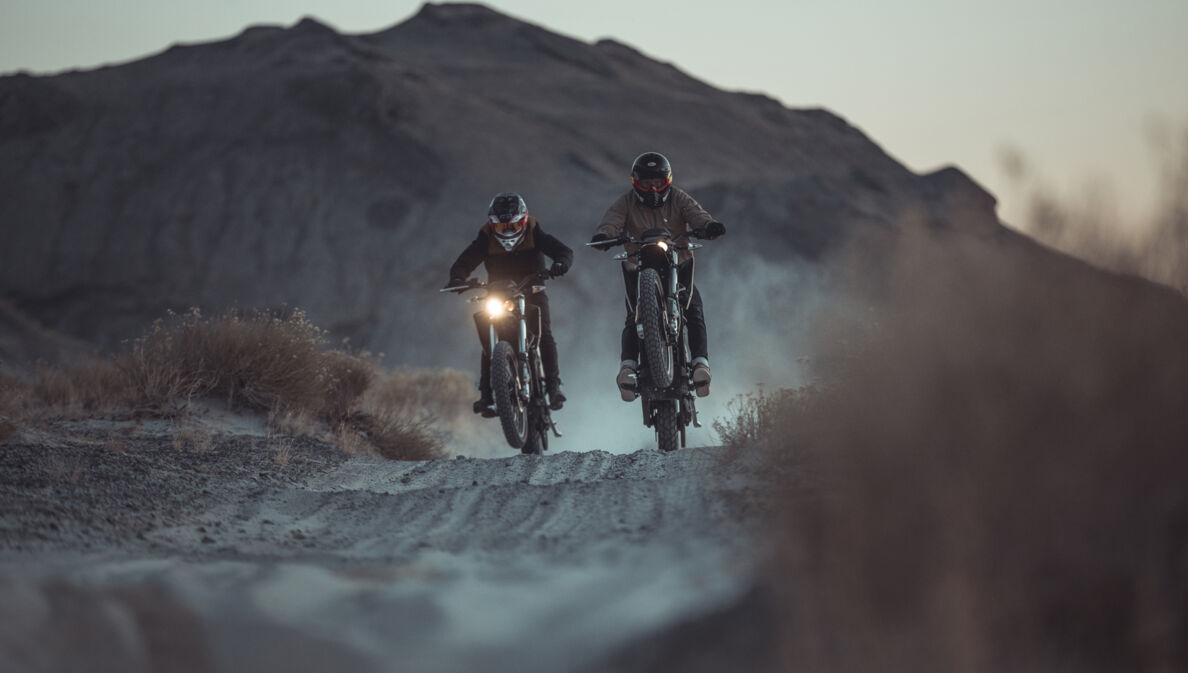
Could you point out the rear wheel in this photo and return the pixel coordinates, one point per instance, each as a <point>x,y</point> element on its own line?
<point>668,427</point>
<point>657,350</point>
<point>513,413</point>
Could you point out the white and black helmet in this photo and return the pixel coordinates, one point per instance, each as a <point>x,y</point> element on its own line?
<point>508,215</point>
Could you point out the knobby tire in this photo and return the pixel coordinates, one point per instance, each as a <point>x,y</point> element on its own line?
<point>667,424</point>
<point>538,439</point>
<point>655,332</point>
<point>513,415</point>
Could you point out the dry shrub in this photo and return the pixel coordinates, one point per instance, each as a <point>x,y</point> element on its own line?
<point>391,435</point>
<point>430,403</point>
<point>754,418</point>
<point>1004,461</point>
<point>8,429</point>
<point>94,385</point>
<point>264,363</point>
<point>443,393</point>
<point>1092,227</point>
<point>345,378</point>
<point>14,395</point>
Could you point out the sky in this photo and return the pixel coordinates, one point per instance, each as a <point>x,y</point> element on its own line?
<point>1076,87</point>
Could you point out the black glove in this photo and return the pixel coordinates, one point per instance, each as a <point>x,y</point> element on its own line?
<point>714,229</point>
<point>558,269</point>
<point>600,237</point>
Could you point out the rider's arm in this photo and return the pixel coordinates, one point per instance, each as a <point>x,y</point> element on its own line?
<point>471,257</point>
<point>554,248</point>
<point>691,211</point>
<point>615,219</point>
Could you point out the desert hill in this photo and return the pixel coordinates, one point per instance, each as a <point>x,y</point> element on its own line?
<point>342,173</point>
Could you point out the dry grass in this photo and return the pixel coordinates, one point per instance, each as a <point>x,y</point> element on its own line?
<point>261,363</point>
<point>1092,227</point>
<point>283,455</point>
<point>1003,460</point>
<point>754,418</point>
<point>264,363</point>
<point>13,393</point>
<point>429,405</point>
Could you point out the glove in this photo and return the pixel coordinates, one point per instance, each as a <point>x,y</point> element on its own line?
<point>558,269</point>
<point>714,229</point>
<point>600,237</point>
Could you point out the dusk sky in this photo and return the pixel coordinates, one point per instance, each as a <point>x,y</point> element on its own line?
<point>1078,87</point>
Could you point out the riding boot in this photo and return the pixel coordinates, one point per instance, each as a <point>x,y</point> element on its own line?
<point>701,376</point>
<point>556,396</point>
<point>626,380</point>
<point>485,405</point>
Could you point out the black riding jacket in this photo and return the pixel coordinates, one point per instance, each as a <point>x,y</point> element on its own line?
<point>527,257</point>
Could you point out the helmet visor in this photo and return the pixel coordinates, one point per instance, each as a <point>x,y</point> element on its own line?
<point>510,227</point>
<point>651,184</point>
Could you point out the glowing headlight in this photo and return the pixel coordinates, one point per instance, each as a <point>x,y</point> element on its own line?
<point>663,245</point>
<point>498,307</point>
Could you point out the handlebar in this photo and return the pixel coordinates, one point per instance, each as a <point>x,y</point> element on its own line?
<point>517,287</point>
<point>626,239</point>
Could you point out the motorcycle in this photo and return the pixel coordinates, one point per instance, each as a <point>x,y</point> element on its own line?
<point>664,381</point>
<point>517,374</point>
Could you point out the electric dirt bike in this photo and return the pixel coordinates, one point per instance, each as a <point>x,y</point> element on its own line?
<point>663,290</point>
<point>517,374</point>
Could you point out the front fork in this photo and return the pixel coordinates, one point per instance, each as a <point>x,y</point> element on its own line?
<point>674,306</point>
<point>522,352</point>
<point>523,376</point>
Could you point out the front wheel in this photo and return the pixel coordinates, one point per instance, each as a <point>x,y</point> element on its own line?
<point>538,436</point>
<point>667,423</point>
<point>513,413</point>
<point>657,350</point>
<point>537,441</point>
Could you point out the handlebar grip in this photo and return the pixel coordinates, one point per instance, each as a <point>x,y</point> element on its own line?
<point>608,243</point>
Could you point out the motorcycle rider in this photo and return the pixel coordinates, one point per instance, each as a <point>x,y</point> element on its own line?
<point>653,202</point>
<point>512,245</point>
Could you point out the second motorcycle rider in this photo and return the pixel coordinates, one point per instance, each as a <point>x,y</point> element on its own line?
<point>512,245</point>
<point>653,202</point>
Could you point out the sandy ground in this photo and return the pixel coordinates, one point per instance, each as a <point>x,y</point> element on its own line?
<point>130,547</point>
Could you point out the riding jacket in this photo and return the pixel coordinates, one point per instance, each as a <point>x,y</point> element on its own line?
<point>679,213</point>
<point>527,257</point>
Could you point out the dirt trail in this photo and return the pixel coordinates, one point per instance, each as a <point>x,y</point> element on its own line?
<point>124,552</point>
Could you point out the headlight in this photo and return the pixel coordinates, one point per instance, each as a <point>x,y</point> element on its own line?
<point>498,307</point>
<point>663,245</point>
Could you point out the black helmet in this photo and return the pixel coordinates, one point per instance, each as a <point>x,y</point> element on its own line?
<point>651,176</point>
<point>509,218</point>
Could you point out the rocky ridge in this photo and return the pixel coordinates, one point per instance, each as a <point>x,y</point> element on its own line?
<point>341,173</point>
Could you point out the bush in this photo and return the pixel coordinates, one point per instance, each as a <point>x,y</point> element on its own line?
<point>1003,466</point>
<point>762,420</point>
<point>264,363</point>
